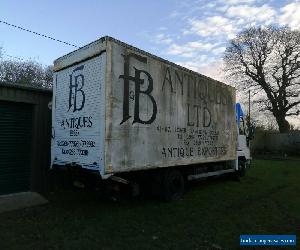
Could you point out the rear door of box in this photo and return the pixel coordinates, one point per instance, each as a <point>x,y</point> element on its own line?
<point>78,116</point>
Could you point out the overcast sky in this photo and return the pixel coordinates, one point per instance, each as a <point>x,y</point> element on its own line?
<point>193,33</point>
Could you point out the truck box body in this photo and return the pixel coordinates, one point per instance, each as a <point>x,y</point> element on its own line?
<point>117,109</point>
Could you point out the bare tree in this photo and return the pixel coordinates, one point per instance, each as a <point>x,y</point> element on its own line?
<point>25,72</point>
<point>267,60</point>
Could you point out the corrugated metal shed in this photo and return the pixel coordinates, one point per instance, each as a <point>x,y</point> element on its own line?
<point>25,130</point>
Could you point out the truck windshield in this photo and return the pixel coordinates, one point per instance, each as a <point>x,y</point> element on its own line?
<point>242,126</point>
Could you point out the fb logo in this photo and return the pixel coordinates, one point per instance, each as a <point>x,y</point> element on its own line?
<point>138,81</point>
<point>76,94</point>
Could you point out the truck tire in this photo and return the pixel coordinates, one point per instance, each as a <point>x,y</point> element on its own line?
<point>242,168</point>
<point>236,175</point>
<point>172,186</point>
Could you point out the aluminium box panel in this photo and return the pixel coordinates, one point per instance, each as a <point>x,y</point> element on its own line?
<point>78,117</point>
<point>82,54</point>
<point>160,114</point>
<point>157,114</point>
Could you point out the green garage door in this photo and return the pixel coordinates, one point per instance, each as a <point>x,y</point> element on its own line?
<point>15,143</point>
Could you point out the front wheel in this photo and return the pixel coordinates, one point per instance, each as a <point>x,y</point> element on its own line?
<point>242,169</point>
<point>237,174</point>
<point>172,186</point>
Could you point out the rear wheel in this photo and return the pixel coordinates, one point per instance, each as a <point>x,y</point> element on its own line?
<point>172,186</point>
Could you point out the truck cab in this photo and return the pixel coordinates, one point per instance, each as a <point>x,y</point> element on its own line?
<point>244,135</point>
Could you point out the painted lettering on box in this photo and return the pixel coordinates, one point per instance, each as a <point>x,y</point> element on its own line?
<point>200,135</point>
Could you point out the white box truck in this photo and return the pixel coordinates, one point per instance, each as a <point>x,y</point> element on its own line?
<point>121,113</point>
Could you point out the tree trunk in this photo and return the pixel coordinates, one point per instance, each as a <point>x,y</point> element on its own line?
<point>283,124</point>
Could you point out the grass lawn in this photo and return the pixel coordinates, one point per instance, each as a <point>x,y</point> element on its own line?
<point>212,215</point>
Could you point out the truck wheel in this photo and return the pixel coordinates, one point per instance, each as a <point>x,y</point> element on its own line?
<point>242,169</point>
<point>172,186</point>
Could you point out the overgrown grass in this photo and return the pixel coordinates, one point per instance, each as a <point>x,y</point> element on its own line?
<point>212,215</point>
